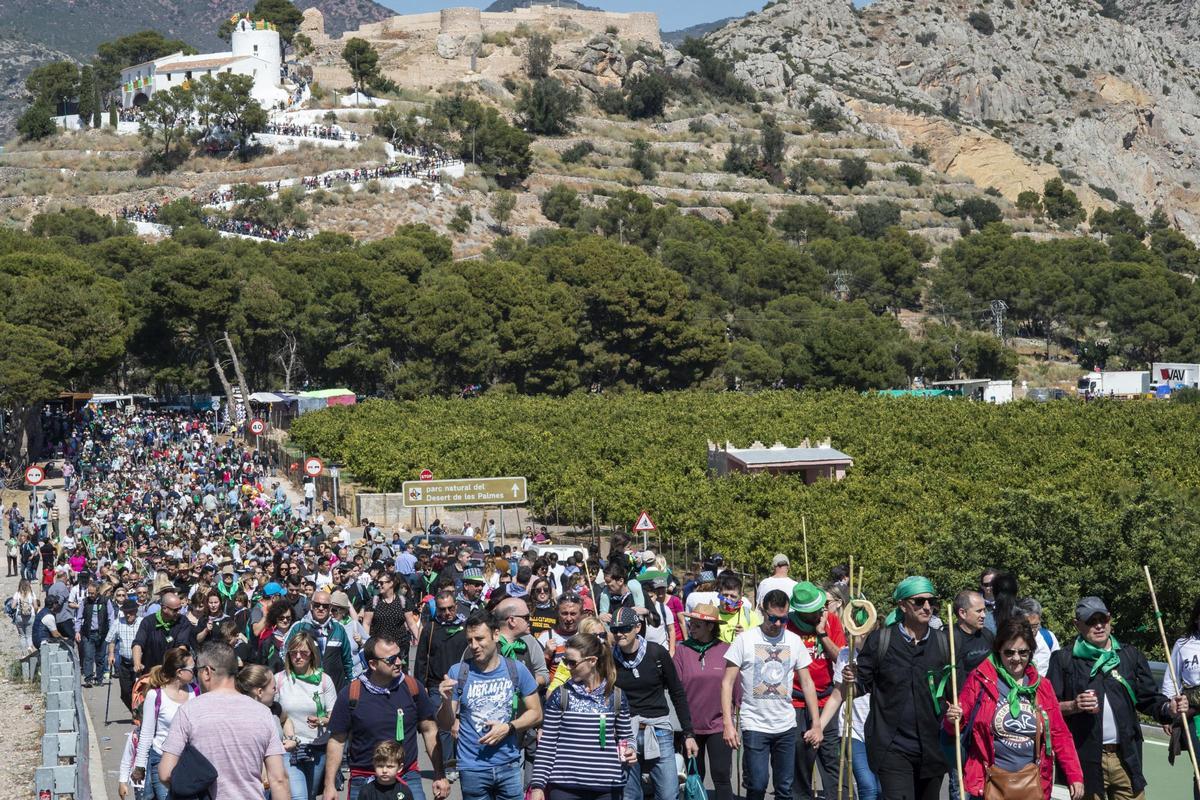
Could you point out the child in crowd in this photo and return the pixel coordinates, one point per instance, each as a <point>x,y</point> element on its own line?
<point>388,759</point>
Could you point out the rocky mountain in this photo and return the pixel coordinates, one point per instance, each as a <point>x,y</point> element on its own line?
<point>37,31</point>
<point>1006,93</point>
<point>695,31</point>
<point>1178,17</point>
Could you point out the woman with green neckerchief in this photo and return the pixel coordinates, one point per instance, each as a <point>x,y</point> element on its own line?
<point>306,695</point>
<point>1013,729</point>
<point>700,662</point>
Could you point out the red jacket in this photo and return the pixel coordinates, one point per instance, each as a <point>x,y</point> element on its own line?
<point>981,687</point>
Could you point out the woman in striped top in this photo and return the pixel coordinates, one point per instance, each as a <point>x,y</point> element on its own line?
<point>586,734</point>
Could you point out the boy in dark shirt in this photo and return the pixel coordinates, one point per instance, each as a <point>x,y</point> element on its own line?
<point>388,760</point>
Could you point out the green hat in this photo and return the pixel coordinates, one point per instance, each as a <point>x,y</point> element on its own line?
<point>807,597</point>
<point>911,587</point>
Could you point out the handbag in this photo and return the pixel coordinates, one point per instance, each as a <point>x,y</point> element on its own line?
<point>693,788</point>
<point>1023,784</point>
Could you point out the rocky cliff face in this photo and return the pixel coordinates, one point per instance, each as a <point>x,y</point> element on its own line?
<point>1063,86</point>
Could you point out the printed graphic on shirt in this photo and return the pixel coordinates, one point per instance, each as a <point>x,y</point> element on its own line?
<point>1014,736</point>
<point>489,699</point>
<point>771,679</point>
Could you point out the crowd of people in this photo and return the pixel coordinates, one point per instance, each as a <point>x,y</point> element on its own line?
<point>265,650</point>
<point>332,132</point>
<point>425,168</point>
<point>149,212</point>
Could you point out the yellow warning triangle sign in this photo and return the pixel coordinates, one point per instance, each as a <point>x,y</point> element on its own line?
<point>644,523</point>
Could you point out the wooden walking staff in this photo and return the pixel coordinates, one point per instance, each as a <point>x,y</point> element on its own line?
<point>844,752</point>
<point>804,533</point>
<point>1171,666</point>
<point>954,696</point>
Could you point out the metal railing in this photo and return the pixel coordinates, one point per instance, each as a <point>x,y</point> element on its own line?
<point>64,770</point>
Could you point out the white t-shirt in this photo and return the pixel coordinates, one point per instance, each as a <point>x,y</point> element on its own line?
<point>661,634</point>
<point>782,583</point>
<point>1042,653</point>
<point>767,667</point>
<point>862,703</point>
<point>1186,655</point>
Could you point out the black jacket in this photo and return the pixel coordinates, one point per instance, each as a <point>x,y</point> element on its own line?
<point>1071,676</point>
<point>902,713</point>
<point>101,606</point>
<point>439,648</point>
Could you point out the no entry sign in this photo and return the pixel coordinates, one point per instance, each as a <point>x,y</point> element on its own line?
<point>34,475</point>
<point>313,466</point>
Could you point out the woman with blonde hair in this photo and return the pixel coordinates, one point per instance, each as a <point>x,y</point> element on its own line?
<point>306,695</point>
<point>171,685</point>
<point>586,734</point>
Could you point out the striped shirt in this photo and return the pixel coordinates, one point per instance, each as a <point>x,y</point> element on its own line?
<point>122,633</point>
<point>570,751</point>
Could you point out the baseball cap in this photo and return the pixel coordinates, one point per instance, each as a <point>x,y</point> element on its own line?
<point>626,617</point>
<point>648,557</point>
<point>1089,607</point>
<point>273,589</point>
<point>779,560</point>
<point>706,576</point>
<point>473,574</point>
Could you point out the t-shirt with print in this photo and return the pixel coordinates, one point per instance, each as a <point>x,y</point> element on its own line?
<point>484,697</point>
<point>767,665</point>
<point>235,733</point>
<point>1014,737</point>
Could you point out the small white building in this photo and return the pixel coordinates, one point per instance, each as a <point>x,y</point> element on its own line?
<point>255,51</point>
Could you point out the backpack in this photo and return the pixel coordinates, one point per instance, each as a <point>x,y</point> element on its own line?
<point>564,698</point>
<point>510,663</point>
<point>939,636</point>
<point>356,691</point>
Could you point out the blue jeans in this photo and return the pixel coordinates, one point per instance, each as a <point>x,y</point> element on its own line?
<point>154,789</point>
<point>948,751</point>
<point>864,780</point>
<point>768,752</point>
<point>411,779</point>
<point>91,657</point>
<point>662,769</point>
<point>492,783</point>
<point>306,777</point>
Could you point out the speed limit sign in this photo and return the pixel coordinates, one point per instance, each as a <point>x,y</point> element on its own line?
<point>313,466</point>
<point>257,426</point>
<point>34,475</point>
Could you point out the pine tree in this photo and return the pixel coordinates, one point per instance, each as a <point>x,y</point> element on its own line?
<point>87,96</point>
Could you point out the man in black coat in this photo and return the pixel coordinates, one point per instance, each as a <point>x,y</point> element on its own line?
<point>159,632</point>
<point>90,635</point>
<point>895,666</point>
<point>1101,685</point>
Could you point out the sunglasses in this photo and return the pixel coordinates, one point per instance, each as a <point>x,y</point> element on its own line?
<point>921,602</point>
<point>776,620</point>
<point>304,653</point>
<point>621,629</point>
<point>389,660</point>
<point>318,605</point>
<point>571,663</point>
<point>1020,653</point>
<point>1098,622</point>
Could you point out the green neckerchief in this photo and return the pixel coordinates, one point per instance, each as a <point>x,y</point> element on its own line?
<point>313,677</point>
<point>1105,661</point>
<point>938,680</point>
<point>512,649</point>
<point>1016,689</point>
<point>699,647</point>
<point>160,623</point>
<point>233,589</point>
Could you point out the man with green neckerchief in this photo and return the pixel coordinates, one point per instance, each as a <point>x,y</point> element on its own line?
<point>1101,685</point>
<point>902,665</point>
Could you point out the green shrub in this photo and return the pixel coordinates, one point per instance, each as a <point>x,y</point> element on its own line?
<point>909,174</point>
<point>854,172</point>
<point>578,151</point>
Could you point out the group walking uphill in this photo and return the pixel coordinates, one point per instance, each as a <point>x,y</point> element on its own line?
<point>149,212</point>
<point>331,132</point>
<point>264,648</point>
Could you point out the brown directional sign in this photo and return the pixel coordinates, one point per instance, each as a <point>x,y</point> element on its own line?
<point>465,492</point>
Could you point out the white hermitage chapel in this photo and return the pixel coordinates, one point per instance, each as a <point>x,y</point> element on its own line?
<point>255,51</point>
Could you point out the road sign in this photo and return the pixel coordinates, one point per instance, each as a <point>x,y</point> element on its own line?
<point>465,492</point>
<point>426,475</point>
<point>644,523</point>
<point>34,475</point>
<point>313,466</point>
<point>257,426</point>
<point>333,472</point>
<point>216,404</point>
